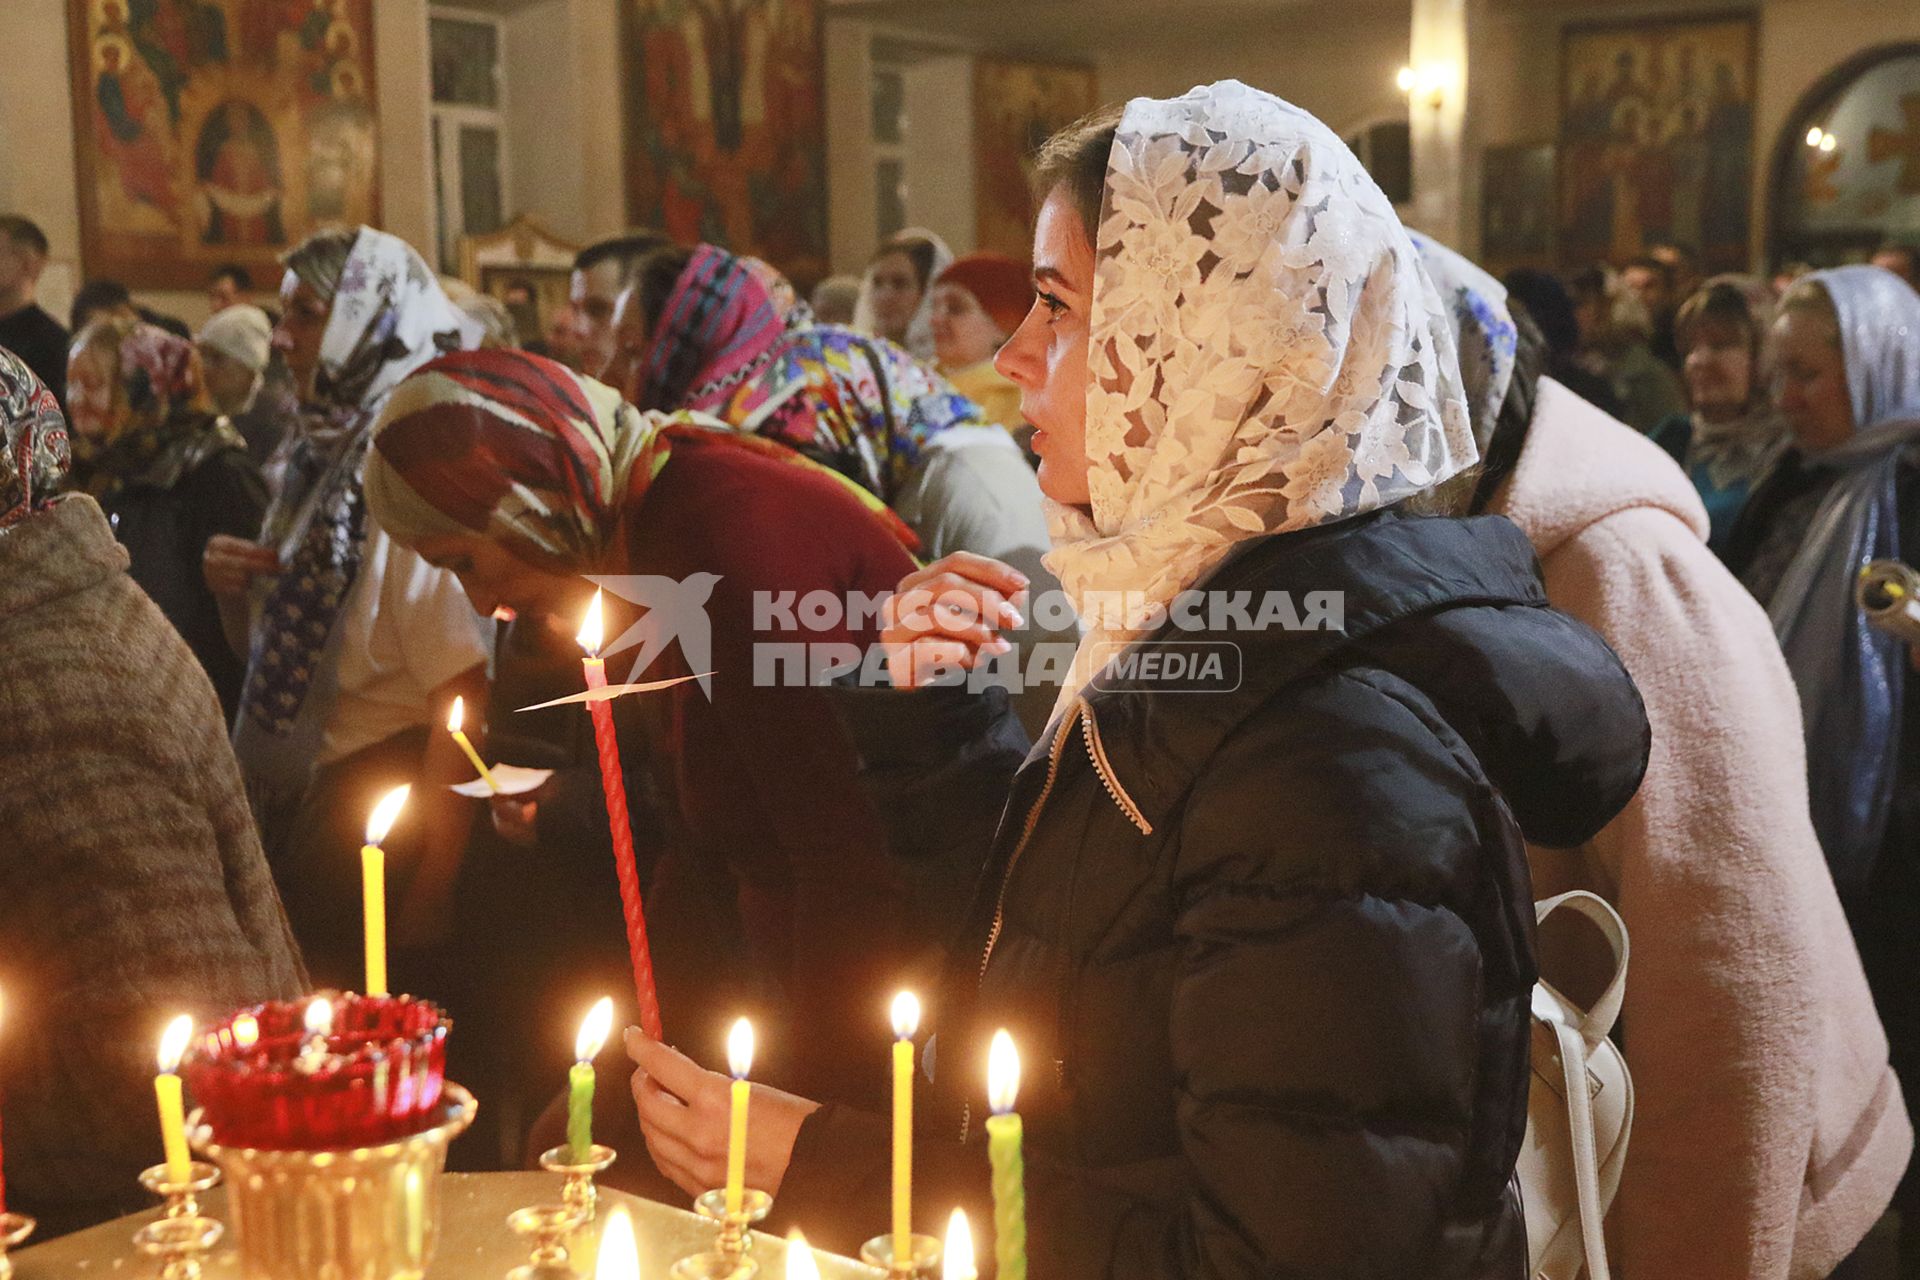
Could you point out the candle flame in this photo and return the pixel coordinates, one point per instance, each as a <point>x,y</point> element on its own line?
<point>906,1015</point>
<point>619,1253</point>
<point>457,716</point>
<point>319,1017</point>
<point>1814,135</point>
<point>740,1049</point>
<point>591,630</point>
<point>800,1260</point>
<point>173,1044</point>
<point>959,1251</point>
<point>1003,1073</point>
<point>385,813</point>
<point>594,1029</point>
<point>246,1032</point>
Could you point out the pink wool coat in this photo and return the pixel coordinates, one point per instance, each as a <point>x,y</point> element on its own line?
<point>1769,1131</point>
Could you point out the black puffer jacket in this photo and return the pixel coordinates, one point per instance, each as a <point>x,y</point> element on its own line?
<point>1267,952</point>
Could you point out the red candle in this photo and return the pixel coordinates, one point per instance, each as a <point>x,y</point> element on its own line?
<point>613,783</point>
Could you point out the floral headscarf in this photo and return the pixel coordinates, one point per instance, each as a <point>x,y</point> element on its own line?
<point>1484,336</point>
<point>157,380</point>
<point>1851,677</point>
<point>715,331</point>
<point>388,317</point>
<point>1266,352</point>
<point>859,405</point>
<point>544,461</point>
<point>36,441</point>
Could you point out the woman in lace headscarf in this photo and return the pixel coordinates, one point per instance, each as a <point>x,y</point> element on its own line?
<point>170,473</point>
<point>1847,380</point>
<point>1262,938</point>
<point>356,646</point>
<point>896,295</point>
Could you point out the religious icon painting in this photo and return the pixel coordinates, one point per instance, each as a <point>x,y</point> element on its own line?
<point>726,127</point>
<point>1017,106</point>
<point>1846,173</point>
<point>213,131</point>
<point>1656,139</point>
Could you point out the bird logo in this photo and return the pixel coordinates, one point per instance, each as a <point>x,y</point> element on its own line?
<point>671,609</point>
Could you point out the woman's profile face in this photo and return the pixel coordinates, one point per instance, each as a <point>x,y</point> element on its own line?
<point>1810,382</point>
<point>1047,355</point>
<point>964,334</point>
<point>492,576</point>
<point>894,288</point>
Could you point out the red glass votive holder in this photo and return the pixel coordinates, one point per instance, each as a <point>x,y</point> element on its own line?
<point>262,1080</point>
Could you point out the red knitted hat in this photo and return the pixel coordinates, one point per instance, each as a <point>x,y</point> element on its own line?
<point>1004,288</point>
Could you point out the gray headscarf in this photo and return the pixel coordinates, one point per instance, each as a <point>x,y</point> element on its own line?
<point>36,438</point>
<point>1851,677</point>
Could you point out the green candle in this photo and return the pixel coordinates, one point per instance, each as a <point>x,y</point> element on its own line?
<point>593,1035</point>
<point>1009,1166</point>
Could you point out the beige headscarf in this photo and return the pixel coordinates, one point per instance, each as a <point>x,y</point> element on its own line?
<point>1267,354</point>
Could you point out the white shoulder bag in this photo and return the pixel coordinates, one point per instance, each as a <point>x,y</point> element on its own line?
<point>1579,1112</point>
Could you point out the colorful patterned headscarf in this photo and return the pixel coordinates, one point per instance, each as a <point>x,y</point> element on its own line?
<point>722,318</point>
<point>36,440</point>
<point>537,458</point>
<point>157,382</point>
<point>857,404</point>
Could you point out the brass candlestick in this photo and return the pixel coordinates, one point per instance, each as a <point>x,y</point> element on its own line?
<point>548,1226</point>
<point>578,1191</point>
<point>922,1264</point>
<point>728,1259</point>
<point>180,1236</point>
<point>14,1228</point>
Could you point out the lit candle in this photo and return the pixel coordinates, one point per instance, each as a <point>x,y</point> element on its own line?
<point>586,1047</point>
<point>739,1062</point>
<point>3,1163</point>
<point>613,783</point>
<point>801,1264</point>
<point>319,1023</point>
<point>619,1252</point>
<point>957,1261</point>
<point>906,1021</point>
<point>455,718</point>
<point>373,887</point>
<point>166,1088</point>
<point>1009,1165</point>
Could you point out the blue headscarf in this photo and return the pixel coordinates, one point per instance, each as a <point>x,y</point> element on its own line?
<point>1851,677</point>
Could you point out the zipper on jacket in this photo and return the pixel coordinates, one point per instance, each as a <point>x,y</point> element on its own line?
<point>1098,752</point>
<point>1013,859</point>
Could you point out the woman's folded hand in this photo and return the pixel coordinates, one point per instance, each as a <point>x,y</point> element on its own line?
<point>949,615</point>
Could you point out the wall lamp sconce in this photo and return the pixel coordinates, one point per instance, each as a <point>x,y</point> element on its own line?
<point>1820,140</point>
<point>1428,84</point>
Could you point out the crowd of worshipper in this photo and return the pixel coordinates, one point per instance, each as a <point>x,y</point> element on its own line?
<point>1267,947</point>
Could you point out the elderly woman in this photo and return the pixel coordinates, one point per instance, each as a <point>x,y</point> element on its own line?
<point>131,882</point>
<point>1848,491</point>
<point>776,889</point>
<point>977,304</point>
<point>1767,1135</point>
<point>1730,435</point>
<point>170,473</point>
<point>1267,948</point>
<point>356,646</point>
<point>896,295</point>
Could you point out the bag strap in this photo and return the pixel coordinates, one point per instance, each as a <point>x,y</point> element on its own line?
<point>1575,1043</point>
<point>1598,1023</point>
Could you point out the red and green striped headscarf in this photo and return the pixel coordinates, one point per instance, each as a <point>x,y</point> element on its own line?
<point>523,451</point>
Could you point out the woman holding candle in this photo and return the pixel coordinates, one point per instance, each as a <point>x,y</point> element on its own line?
<point>131,883</point>
<point>775,888</point>
<point>1266,948</point>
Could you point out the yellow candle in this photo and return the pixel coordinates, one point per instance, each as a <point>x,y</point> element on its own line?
<point>801,1264</point>
<point>739,1062</point>
<point>454,721</point>
<point>906,1021</point>
<point>373,887</point>
<point>957,1260</point>
<point>166,1089</point>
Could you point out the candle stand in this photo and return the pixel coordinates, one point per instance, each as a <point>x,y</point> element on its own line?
<point>729,1259</point>
<point>923,1264</point>
<point>577,1192</point>
<point>180,1237</point>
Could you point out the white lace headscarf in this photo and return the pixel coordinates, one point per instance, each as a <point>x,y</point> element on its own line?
<point>1267,353</point>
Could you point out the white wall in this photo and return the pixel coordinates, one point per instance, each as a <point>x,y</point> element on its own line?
<point>564,111</point>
